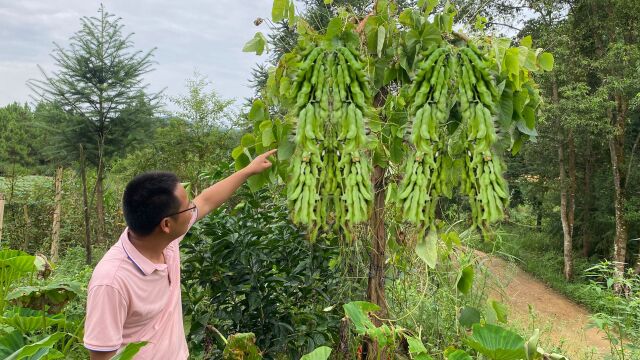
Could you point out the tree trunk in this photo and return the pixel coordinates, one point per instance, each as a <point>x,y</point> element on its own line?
<point>100,203</point>
<point>55,228</point>
<point>343,352</point>
<point>588,202</point>
<point>564,214</point>
<point>85,201</point>
<point>616,148</point>
<point>375,288</point>
<point>566,192</point>
<point>1,215</point>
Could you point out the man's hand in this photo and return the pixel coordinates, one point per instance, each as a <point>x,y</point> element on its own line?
<point>260,163</point>
<point>218,193</point>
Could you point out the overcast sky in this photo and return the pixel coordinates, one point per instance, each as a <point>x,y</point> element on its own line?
<point>202,35</point>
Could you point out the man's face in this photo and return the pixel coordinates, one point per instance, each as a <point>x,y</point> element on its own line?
<point>182,219</point>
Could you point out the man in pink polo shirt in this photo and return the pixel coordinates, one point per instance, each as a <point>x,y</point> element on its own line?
<point>134,292</point>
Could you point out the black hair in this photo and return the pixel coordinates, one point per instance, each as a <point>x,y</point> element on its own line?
<point>149,198</point>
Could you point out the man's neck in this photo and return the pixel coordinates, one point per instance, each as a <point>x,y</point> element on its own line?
<point>150,248</point>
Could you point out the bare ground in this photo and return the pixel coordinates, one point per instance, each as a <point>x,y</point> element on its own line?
<point>533,304</point>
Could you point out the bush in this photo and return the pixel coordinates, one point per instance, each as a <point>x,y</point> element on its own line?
<point>250,270</point>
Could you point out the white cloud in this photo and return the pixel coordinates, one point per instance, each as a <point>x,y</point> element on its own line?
<point>195,34</point>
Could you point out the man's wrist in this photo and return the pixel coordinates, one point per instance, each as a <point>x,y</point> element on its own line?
<point>245,172</point>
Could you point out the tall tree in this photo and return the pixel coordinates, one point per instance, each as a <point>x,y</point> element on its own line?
<point>99,82</point>
<point>611,42</point>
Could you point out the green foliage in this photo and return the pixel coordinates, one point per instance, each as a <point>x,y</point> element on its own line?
<point>618,295</point>
<point>130,350</point>
<point>241,347</point>
<point>21,140</point>
<point>250,269</point>
<point>496,343</point>
<point>98,68</point>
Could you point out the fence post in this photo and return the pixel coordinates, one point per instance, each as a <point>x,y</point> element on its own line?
<point>1,215</point>
<point>55,231</point>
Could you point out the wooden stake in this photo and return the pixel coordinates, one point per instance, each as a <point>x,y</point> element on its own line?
<point>55,231</point>
<point>1,214</point>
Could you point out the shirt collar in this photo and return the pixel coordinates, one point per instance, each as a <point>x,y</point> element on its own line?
<point>145,265</point>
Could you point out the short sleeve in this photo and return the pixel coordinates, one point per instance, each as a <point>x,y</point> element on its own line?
<point>106,313</point>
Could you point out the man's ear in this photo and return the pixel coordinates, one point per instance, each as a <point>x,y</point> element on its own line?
<point>164,225</point>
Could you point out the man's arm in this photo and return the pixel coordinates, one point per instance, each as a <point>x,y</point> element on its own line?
<point>101,355</point>
<point>215,195</point>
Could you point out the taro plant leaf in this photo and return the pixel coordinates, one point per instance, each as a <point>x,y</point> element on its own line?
<point>28,320</point>
<point>38,349</point>
<point>459,355</point>
<point>465,279</point>
<point>358,311</point>
<point>469,316</point>
<point>54,296</point>
<point>496,343</point>
<point>321,353</point>
<point>130,350</point>
<point>10,342</point>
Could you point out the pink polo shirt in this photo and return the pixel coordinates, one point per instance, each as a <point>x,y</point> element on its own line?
<point>132,299</point>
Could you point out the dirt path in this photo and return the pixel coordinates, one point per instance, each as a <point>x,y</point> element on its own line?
<point>532,304</point>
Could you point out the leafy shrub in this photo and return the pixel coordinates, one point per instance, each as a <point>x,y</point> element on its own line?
<point>251,270</point>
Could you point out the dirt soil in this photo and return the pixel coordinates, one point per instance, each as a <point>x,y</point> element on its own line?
<point>533,304</point>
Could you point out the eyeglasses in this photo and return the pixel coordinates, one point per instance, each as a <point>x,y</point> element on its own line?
<point>192,208</point>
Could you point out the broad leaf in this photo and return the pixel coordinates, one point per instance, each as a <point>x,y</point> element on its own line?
<point>381,36</point>
<point>358,312</point>
<point>465,279</point>
<point>279,10</point>
<point>130,350</point>
<point>427,247</point>
<point>546,61</point>
<point>38,349</point>
<point>496,342</point>
<point>321,353</point>
<point>459,355</point>
<point>257,44</point>
<point>469,316</point>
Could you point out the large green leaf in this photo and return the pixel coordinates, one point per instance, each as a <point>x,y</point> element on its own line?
<point>17,265</point>
<point>38,349</point>
<point>546,61</point>
<point>469,316</point>
<point>258,112</point>
<point>28,321</point>
<point>358,312</point>
<point>248,140</point>
<point>381,36</point>
<point>496,343</point>
<point>321,353</point>
<point>427,247</point>
<point>417,349</point>
<point>257,44</point>
<point>459,355</point>
<point>10,343</point>
<point>54,296</point>
<point>130,350</point>
<point>279,10</point>
<point>465,279</point>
